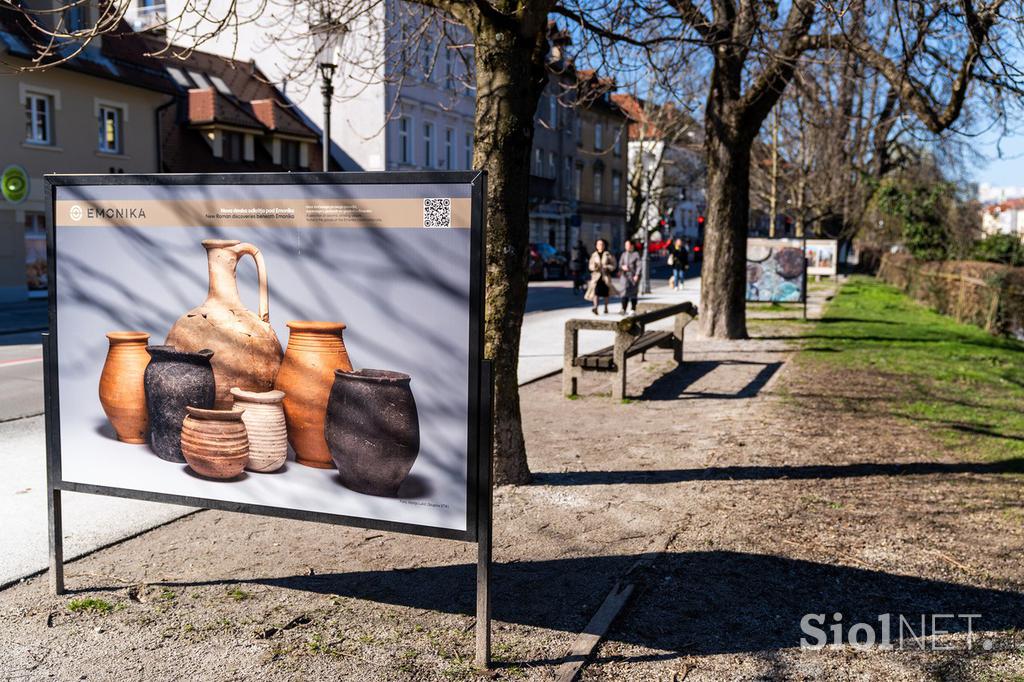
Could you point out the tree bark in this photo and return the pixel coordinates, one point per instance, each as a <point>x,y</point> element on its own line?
<point>510,75</point>
<point>723,272</point>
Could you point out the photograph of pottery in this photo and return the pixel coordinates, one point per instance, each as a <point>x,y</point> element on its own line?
<point>122,393</point>
<point>315,350</point>
<point>246,351</point>
<point>372,429</point>
<point>215,442</point>
<point>263,416</point>
<point>173,381</point>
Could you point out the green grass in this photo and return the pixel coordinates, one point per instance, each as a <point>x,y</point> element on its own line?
<point>956,378</point>
<point>90,604</point>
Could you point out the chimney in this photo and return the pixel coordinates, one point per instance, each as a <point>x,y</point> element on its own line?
<point>264,111</point>
<point>201,105</point>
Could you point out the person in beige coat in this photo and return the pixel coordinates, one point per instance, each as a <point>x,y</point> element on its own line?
<point>602,268</point>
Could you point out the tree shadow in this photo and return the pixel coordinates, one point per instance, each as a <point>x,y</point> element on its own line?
<point>763,473</point>
<point>711,602</point>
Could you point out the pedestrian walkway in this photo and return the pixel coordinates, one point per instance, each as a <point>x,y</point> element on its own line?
<point>550,304</point>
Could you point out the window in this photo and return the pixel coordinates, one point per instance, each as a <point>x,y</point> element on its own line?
<point>617,144</point>
<point>567,175</point>
<point>553,111</point>
<point>616,185</point>
<point>179,77</point>
<point>38,120</point>
<point>577,181</point>
<point>428,59</point>
<point>232,145</point>
<point>598,181</point>
<point>538,162</point>
<point>428,145</point>
<point>449,71</point>
<point>200,80</point>
<point>469,151</point>
<point>598,137</point>
<point>552,165</point>
<point>579,131</point>
<point>35,249</point>
<point>110,130</point>
<point>291,154</point>
<point>449,149</point>
<point>404,144</point>
<point>221,86</point>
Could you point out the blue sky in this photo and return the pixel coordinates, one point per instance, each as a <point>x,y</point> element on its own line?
<point>1006,171</point>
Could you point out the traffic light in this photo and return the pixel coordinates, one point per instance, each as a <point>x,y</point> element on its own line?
<point>700,221</point>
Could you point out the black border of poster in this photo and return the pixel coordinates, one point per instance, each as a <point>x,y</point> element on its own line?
<point>479,389</point>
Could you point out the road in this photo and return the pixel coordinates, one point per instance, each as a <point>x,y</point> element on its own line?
<point>93,521</point>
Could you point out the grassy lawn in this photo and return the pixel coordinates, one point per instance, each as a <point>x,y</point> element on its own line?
<point>966,384</point>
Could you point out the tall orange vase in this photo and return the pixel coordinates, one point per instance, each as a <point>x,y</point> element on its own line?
<point>121,390</point>
<point>315,349</point>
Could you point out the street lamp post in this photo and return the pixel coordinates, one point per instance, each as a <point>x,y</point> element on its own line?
<point>327,39</point>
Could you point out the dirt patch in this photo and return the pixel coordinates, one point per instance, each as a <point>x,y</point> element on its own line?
<point>763,497</point>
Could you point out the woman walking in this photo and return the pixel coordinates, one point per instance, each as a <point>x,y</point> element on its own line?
<point>678,259</point>
<point>629,266</point>
<point>602,267</point>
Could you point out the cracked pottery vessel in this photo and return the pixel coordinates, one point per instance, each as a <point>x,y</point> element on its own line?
<point>372,430</point>
<point>315,350</point>
<point>246,351</point>
<point>215,442</point>
<point>122,393</point>
<point>263,417</point>
<point>173,381</point>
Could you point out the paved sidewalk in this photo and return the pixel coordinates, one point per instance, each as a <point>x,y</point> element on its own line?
<point>542,338</point>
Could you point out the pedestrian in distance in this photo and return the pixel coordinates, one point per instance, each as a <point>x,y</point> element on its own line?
<point>678,259</point>
<point>629,268</point>
<point>602,267</point>
<point>578,258</point>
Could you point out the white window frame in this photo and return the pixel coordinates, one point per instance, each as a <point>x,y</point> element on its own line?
<point>103,109</point>
<point>428,144</point>
<point>405,149</point>
<point>41,136</point>
<point>449,148</point>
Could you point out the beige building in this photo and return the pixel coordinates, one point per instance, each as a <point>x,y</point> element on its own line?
<point>95,114</point>
<point>601,163</point>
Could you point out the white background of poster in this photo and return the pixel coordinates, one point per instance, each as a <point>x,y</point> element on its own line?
<point>821,251</point>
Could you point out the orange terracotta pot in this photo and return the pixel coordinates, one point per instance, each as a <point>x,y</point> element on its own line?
<point>122,394</point>
<point>315,350</point>
<point>215,442</point>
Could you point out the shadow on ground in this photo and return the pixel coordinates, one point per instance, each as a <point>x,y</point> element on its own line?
<point>764,473</point>
<point>694,602</point>
<point>676,384</point>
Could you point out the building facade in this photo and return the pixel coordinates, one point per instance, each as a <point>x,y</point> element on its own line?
<point>93,114</point>
<point>601,163</point>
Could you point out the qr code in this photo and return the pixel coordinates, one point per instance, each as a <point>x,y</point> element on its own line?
<point>437,213</point>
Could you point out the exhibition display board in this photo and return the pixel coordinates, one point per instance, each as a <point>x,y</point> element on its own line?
<point>299,345</point>
<point>776,270</point>
<point>822,257</point>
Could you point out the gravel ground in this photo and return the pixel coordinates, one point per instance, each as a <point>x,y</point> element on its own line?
<point>756,495</point>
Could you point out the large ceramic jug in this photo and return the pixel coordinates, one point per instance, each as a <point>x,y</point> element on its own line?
<point>246,352</point>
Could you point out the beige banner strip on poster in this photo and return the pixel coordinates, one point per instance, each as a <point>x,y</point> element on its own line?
<point>433,212</point>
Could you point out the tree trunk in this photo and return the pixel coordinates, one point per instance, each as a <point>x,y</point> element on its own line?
<point>724,270</point>
<point>510,76</point>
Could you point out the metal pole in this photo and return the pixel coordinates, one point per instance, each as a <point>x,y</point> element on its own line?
<point>646,274</point>
<point>484,524</point>
<point>327,90</point>
<point>55,525</point>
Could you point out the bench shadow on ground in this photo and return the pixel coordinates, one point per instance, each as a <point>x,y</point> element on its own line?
<point>677,383</point>
<point>703,602</point>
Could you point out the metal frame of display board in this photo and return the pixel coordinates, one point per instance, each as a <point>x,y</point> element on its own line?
<point>479,497</point>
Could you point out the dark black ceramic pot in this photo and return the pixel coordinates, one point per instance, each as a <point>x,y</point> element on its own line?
<point>174,380</point>
<point>372,429</point>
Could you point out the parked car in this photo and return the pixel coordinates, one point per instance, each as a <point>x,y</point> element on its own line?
<point>546,262</point>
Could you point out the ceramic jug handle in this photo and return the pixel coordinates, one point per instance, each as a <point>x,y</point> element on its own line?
<point>261,272</point>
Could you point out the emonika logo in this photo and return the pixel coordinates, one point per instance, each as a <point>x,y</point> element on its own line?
<point>75,212</point>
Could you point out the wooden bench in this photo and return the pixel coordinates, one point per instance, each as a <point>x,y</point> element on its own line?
<point>631,339</point>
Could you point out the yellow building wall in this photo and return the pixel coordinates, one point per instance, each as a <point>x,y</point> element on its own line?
<point>75,128</point>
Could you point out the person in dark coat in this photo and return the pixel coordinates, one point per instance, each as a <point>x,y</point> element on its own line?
<point>578,259</point>
<point>678,259</point>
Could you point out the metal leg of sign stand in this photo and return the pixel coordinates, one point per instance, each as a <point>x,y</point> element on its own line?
<point>484,526</point>
<point>55,524</point>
